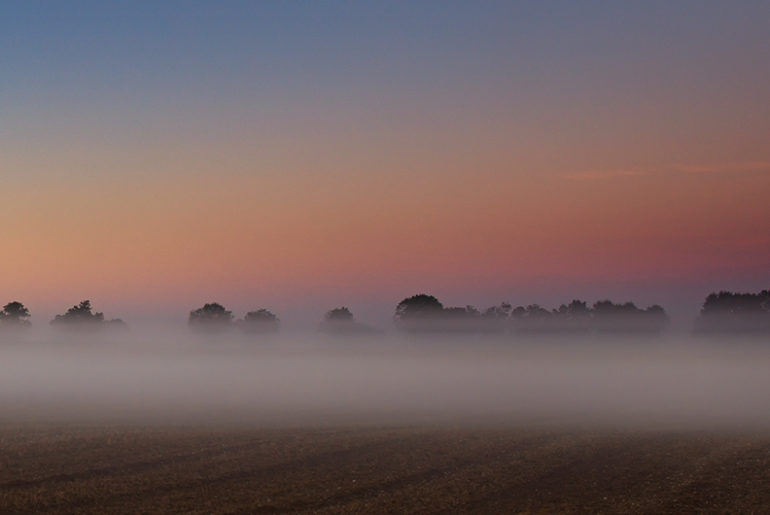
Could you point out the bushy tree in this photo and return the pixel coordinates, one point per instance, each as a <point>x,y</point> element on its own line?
<point>537,311</point>
<point>424,313</point>
<point>259,321</point>
<point>212,316</point>
<point>341,322</point>
<point>729,312</point>
<point>79,314</point>
<point>338,315</point>
<point>418,307</point>
<point>575,309</point>
<point>14,314</point>
<point>726,302</point>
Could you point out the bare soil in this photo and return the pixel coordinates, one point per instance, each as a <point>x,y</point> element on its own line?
<point>66,469</point>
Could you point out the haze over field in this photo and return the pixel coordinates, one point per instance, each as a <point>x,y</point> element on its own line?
<point>310,379</point>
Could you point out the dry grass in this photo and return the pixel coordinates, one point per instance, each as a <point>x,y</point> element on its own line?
<point>378,470</point>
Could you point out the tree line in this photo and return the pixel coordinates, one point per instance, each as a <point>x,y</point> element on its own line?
<point>214,317</point>
<point>426,313</point>
<point>722,312</point>
<point>728,312</point>
<point>15,315</point>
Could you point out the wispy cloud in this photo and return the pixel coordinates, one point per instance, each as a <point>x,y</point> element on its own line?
<point>684,168</point>
<point>737,167</point>
<point>594,175</point>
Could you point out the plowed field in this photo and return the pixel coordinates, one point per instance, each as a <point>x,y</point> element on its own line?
<point>379,470</point>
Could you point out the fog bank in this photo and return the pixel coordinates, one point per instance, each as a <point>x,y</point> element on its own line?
<point>312,379</point>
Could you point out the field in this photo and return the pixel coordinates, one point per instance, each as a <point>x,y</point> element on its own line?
<point>366,469</point>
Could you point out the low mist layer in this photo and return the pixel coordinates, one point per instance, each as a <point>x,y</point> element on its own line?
<point>323,379</point>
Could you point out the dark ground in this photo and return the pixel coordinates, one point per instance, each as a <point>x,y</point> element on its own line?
<point>379,470</point>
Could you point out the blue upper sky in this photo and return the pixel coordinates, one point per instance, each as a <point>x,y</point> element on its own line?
<point>118,51</point>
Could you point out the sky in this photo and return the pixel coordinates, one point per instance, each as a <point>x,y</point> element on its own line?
<point>305,155</point>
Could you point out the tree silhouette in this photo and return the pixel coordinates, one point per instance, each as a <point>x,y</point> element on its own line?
<point>116,324</point>
<point>574,317</point>
<point>495,318</point>
<point>615,318</point>
<point>424,313</point>
<point>536,311</point>
<point>501,312</point>
<point>341,322</point>
<point>726,302</point>
<point>14,314</point>
<point>339,315</point>
<point>418,307</point>
<point>259,321</point>
<point>79,314</point>
<point>211,317</point>
<point>575,309</point>
<point>735,312</point>
<point>533,319</point>
<point>459,314</point>
<point>571,318</point>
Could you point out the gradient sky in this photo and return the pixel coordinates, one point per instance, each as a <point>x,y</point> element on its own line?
<point>304,155</point>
